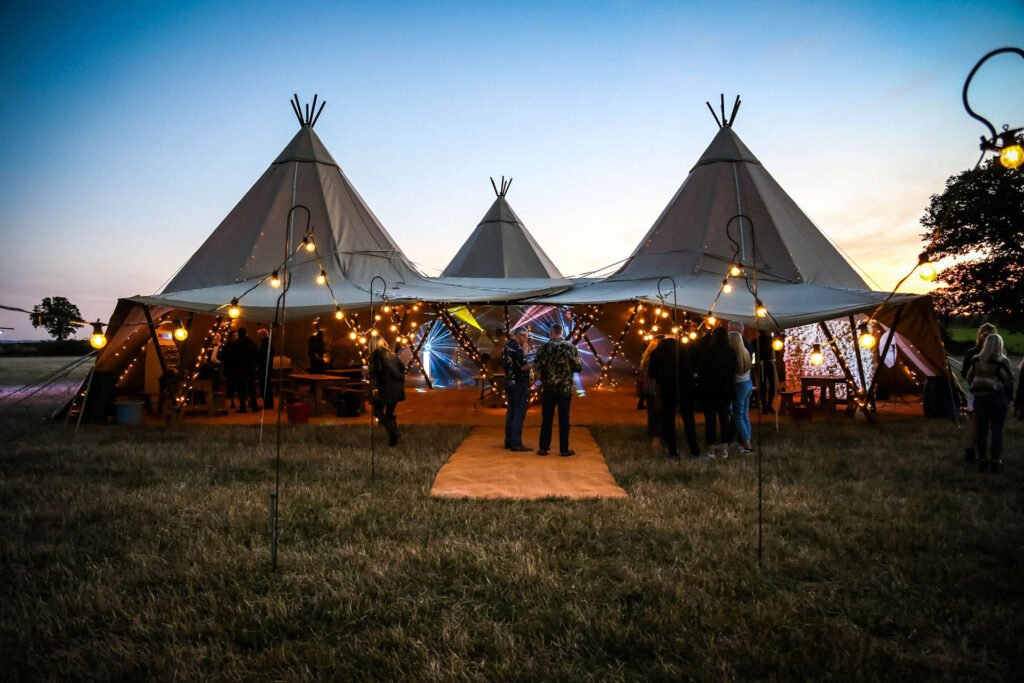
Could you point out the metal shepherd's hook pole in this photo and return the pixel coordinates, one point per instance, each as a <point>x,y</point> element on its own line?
<point>279,313</point>
<point>373,405</point>
<point>675,324</point>
<point>760,413</point>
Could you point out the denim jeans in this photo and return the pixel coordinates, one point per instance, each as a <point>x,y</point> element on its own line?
<point>517,395</point>
<point>549,400</point>
<point>990,412</point>
<point>741,409</point>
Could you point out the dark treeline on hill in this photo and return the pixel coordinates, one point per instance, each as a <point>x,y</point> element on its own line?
<point>68,347</point>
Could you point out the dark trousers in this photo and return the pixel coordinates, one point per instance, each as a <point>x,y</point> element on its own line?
<point>990,413</point>
<point>668,423</point>
<point>515,414</point>
<point>385,414</point>
<point>717,412</point>
<point>766,386</point>
<point>548,401</point>
<point>245,385</point>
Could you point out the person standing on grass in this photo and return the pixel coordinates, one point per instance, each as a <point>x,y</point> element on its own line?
<point>671,367</point>
<point>557,361</point>
<point>716,387</point>
<point>226,355</point>
<point>970,433</point>
<point>387,374</point>
<point>650,394</point>
<point>991,382</point>
<point>767,381</point>
<point>744,387</point>
<point>517,387</point>
<point>245,355</point>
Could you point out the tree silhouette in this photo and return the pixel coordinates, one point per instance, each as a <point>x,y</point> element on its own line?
<point>978,222</point>
<point>57,315</point>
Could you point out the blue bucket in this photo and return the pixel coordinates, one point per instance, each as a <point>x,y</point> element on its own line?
<point>128,412</point>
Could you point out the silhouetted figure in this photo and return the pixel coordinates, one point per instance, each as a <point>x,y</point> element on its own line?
<point>317,364</point>
<point>245,357</point>
<point>716,387</point>
<point>671,366</point>
<point>387,373</point>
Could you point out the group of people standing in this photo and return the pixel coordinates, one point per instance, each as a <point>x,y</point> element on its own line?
<point>990,383</point>
<point>242,364</point>
<point>713,373</point>
<point>557,361</point>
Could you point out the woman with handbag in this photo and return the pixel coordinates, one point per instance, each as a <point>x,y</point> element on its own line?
<point>649,395</point>
<point>387,375</point>
<point>991,383</point>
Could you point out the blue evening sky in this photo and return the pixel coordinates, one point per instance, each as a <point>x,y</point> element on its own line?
<point>129,130</point>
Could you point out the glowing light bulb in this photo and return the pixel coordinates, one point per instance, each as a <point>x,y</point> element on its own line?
<point>376,317</point>
<point>374,333</point>
<point>664,314</point>
<point>362,340</point>
<point>275,280</point>
<point>686,340</point>
<point>735,271</point>
<point>415,308</point>
<point>1012,156</point>
<point>654,328</point>
<point>693,335</point>
<point>927,271</point>
<point>761,310</point>
<point>867,340</point>
<point>308,241</point>
<point>412,324</point>
<point>98,340</point>
<point>675,330</point>
<point>234,311</point>
<point>339,314</point>
<point>180,333</point>
<point>778,343</point>
<point>817,357</point>
<point>726,287</point>
<point>352,335</point>
<point>712,320</point>
<point>321,278</point>
<point>657,311</point>
<point>394,328</point>
<point>387,309</point>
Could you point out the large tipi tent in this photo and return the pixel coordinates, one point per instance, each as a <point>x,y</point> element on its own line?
<point>501,247</point>
<point>801,278</point>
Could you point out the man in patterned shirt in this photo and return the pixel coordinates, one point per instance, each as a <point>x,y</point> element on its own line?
<point>517,388</point>
<point>557,361</point>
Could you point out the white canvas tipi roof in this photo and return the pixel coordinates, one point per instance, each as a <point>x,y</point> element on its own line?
<point>501,247</point>
<point>690,235</point>
<point>352,246</point>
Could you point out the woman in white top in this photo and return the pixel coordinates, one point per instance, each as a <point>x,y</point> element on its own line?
<point>991,383</point>
<point>744,387</point>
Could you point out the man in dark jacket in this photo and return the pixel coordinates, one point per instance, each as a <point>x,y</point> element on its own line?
<point>517,388</point>
<point>315,346</point>
<point>671,366</point>
<point>716,389</point>
<point>245,356</point>
<point>557,361</point>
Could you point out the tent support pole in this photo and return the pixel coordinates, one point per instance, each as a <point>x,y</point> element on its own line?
<point>850,382</point>
<point>416,356</point>
<point>467,347</point>
<point>860,362</point>
<point>156,340</point>
<point>870,394</point>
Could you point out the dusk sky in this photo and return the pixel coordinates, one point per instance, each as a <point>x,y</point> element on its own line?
<point>130,130</point>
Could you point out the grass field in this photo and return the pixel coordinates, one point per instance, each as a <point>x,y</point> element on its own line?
<point>142,552</point>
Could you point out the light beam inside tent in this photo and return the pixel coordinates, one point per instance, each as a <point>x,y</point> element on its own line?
<point>441,358</point>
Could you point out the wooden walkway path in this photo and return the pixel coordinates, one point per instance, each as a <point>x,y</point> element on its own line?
<point>481,468</point>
